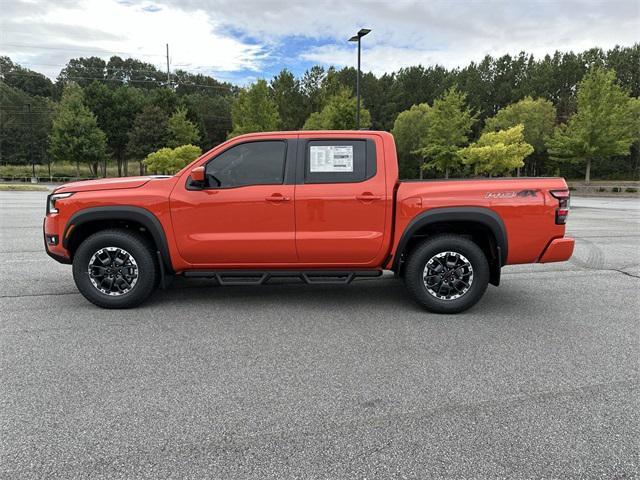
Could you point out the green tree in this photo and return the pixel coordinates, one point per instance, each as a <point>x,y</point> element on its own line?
<point>410,132</point>
<point>338,114</point>
<point>498,152</point>
<point>30,82</point>
<point>134,73</point>
<point>83,71</point>
<point>285,91</point>
<point>538,117</point>
<point>450,121</point>
<point>163,98</point>
<point>115,110</point>
<point>127,103</point>
<point>148,133</point>
<point>605,125</point>
<point>171,160</point>
<point>311,86</point>
<point>75,135</point>
<point>25,124</point>
<point>98,97</point>
<point>181,130</point>
<point>254,111</point>
<point>212,115</point>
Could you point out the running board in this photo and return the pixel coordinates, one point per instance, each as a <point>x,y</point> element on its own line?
<point>254,277</point>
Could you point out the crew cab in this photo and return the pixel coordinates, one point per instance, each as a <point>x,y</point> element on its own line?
<point>322,206</point>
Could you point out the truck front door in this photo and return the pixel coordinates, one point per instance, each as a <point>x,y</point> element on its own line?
<point>244,215</point>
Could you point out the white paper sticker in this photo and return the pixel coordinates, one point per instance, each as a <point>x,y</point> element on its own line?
<point>331,158</point>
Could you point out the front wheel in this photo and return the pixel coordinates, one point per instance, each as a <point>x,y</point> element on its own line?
<point>115,269</point>
<point>447,274</point>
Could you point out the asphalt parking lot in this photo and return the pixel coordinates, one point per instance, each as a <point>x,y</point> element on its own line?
<point>539,380</point>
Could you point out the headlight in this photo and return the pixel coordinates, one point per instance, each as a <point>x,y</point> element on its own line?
<point>52,199</point>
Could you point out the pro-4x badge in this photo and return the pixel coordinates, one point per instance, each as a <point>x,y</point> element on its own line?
<point>521,193</point>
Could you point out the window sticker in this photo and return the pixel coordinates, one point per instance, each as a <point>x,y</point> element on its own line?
<point>331,158</point>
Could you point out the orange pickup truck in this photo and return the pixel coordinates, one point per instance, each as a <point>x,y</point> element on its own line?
<point>322,206</point>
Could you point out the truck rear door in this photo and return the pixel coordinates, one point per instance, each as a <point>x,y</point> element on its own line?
<point>340,203</point>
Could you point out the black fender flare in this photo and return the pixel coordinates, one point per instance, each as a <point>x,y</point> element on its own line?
<point>122,212</point>
<point>479,215</point>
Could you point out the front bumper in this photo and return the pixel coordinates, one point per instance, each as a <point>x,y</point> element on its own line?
<point>559,250</point>
<point>51,228</point>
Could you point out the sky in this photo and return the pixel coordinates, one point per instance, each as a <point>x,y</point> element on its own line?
<point>242,40</point>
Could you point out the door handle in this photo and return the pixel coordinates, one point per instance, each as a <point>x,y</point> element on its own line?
<point>277,197</point>
<point>367,197</point>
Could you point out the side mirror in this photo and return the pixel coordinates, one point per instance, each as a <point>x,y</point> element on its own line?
<point>197,174</point>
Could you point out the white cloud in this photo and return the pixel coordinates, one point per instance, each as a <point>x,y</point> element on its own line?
<point>449,32</point>
<point>405,32</point>
<point>140,29</point>
<point>456,32</point>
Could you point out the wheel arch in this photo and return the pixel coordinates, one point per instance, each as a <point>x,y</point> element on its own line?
<point>90,220</point>
<point>482,225</point>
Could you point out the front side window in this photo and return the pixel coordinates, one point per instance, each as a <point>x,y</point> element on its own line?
<point>254,163</point>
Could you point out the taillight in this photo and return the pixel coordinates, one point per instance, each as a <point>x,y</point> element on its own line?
<point>562,212</point>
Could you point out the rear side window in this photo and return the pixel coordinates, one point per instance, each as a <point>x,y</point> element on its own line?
<point>253,163</point>
<point>339,161</point>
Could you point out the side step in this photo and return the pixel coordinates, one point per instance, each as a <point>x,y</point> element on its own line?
<point>254,277</point>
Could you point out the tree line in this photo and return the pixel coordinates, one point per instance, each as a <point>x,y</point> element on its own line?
<point>566,113</point>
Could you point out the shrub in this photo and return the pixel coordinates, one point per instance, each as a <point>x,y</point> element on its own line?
<point>171,160</point>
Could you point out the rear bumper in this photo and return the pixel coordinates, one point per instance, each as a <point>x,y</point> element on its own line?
<point>559,250</point>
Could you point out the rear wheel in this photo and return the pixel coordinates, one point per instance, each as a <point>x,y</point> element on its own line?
<point>447,274</point>
<point>115,269</point>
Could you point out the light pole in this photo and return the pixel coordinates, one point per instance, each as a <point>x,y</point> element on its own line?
<point>356,38</point>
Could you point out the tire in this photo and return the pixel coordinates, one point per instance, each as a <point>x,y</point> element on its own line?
<point>112,283</point>
<point>461,262</point>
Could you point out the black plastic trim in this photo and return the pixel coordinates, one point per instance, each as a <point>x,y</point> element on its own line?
<point>481,215</point>
<point>259,277</point>
<point>134,214</point>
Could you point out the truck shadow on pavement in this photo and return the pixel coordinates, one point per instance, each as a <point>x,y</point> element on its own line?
<point>380,295</point>
<point>285,293</point>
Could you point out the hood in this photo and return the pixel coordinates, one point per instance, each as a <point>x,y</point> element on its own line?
<point>104,184</point>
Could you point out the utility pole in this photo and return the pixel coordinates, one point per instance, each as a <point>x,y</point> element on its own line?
<point>168,74</point>
<point>33,162</point>
<point>358,89</point>
<point>356,38</point>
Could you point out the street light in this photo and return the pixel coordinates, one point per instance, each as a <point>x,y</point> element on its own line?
<point>356,38</point>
